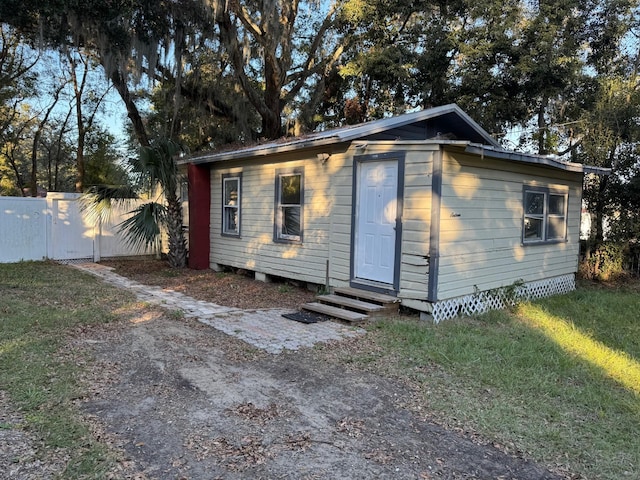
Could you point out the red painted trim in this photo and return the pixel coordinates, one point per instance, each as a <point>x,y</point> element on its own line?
<point>199,216</point>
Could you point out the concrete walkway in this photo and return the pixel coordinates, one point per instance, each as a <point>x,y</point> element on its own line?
<point>264,329</point>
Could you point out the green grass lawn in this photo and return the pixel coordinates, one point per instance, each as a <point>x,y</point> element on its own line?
<point>556,379</point>
<point>41,304</point>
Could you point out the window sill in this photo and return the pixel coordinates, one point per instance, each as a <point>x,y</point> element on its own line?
<point>532,243</point>
<point>288,241</point>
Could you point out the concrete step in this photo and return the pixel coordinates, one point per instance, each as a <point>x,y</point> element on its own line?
<point>335,312</point>
<point>350,303</point>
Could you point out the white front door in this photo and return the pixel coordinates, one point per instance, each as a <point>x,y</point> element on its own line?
<point>376,214</point>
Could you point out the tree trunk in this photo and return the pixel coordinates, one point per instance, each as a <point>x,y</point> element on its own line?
<point>132,110</point>
<point>59,150</point>
<point>271,116</point>
<point>542,128</point>
<point>14,166</point>
<point>271,125</point>
<point>177,255</point>
<point>80,159</point>
<point>80,122</point>
<point>33,183</point>
<point>602,200</point>
<point>78,89</point>
<point>599,213</point>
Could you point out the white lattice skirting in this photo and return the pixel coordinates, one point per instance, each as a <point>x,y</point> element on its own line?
<point>482,302</point>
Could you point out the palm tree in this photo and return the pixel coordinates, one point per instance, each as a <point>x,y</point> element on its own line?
<point>156,171</point>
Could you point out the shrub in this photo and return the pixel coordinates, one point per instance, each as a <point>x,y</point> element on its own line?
<point>605,263</point>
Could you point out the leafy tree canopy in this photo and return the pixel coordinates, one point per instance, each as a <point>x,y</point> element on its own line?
<point>542,75</point>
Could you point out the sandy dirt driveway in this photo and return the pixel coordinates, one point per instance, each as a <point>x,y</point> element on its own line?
<point>185,401</point>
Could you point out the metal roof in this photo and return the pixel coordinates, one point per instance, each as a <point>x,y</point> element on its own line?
<point>451,115</point>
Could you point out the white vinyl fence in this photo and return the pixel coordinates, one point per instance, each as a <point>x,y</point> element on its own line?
<point>55,228</point>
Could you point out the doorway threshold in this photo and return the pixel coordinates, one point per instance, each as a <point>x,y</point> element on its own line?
<point>373,286</point>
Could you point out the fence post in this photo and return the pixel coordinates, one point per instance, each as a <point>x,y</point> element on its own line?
<point>49,223</point>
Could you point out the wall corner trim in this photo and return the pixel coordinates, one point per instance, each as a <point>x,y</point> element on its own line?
<point>434,230</point>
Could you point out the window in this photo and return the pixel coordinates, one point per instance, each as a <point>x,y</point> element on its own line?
<point>289,201</point>
<point>231,205</point>
<point>545,215</point>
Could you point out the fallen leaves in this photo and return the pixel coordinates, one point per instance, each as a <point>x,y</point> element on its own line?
<point>299,441</point>
<point>249,411</point>
<point>235,456</point>
<point>353,427</point>
<point>230,289</point>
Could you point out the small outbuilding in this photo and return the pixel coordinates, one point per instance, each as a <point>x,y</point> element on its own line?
<point>426,207</point>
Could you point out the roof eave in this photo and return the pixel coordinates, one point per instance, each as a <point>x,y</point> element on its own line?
<point>596,170</point>
<point>259,151</point>
<point>552,162</point>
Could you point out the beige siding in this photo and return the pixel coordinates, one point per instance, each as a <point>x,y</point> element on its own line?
<point>340,227</point>
<point>481,225</point>
<point>327,219</point>
<point>416,222</point>
<point>480,221</point>
<point>416,217</point>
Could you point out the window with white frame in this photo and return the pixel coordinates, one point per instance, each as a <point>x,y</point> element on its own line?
<point>231,204</point>
<point>289,207</point>
<point>545,215</point>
